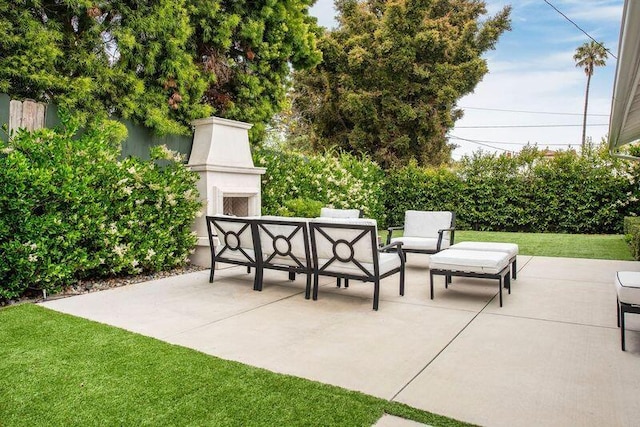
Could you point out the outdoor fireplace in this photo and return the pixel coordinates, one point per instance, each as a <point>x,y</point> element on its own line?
<point>234,205</point>
<point>229,182</point>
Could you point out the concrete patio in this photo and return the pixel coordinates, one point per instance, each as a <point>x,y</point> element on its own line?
<point>551,356</point>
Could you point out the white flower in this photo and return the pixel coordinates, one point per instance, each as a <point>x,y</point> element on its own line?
<point>7,150</point>
<point>150,254</point>
<point>33,258</point>
<point>135,263</point>
<point>120,250</point>
<point>127,190</point>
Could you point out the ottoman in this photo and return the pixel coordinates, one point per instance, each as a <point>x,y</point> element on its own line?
<point>509,248</point>
<point>628,290</point>
<point>471,263</point>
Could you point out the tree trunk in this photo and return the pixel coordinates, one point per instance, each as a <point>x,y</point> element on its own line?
<point>584,120</point>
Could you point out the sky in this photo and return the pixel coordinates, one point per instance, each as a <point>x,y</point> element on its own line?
<point>532,74</point>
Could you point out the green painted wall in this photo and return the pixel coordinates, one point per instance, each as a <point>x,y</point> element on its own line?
<point>140,139</point>
<point>137,144</point>
<point>4,114</point>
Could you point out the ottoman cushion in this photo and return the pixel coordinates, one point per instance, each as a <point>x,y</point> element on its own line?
<point>509,248</point>
<point>628,287</point>
<point>486,262</point>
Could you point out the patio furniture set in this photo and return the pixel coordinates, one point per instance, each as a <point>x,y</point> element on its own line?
<point>342,244</point>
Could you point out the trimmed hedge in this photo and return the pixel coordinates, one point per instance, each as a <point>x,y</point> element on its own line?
<point>526,192</point>
<point>70,209</point>
<point>632,235</point>
<point>297,184</point>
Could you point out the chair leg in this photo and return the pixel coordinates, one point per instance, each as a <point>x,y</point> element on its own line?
<point>315,287</point>
<point>622,327</point>
<point>618,310</point>
<point>507,282</point>
<point>213,267</point>
<point>500,289</point>
<point>431,282</point>
<point>257,280</point>
<point>376,293</point>
<point>307,290</point>
<point>514,269</point>
<point>346,282</point>
<point>248,269</point>
<point>402,282</point>
<point>292,275</point>
<point>338,282</point>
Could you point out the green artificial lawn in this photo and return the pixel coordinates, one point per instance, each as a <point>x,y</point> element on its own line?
<point>597,246</point>
<point>60,370</point>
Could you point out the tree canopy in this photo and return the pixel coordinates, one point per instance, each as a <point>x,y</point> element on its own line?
<point>161,63</point>
<point>391,76</point>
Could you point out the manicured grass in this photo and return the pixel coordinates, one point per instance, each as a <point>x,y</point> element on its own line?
<point>61,370</point>
<point>598,246</point>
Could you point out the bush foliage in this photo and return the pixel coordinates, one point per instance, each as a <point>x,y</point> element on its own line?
<point>526,192</point>
<point>341,181</point>
<point>71,209</point>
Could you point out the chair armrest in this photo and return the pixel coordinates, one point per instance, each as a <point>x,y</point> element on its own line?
<point>386,248</point>
<point>390,231</point>
<point>441,233</point>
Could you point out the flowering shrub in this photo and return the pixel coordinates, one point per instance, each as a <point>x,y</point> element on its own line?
<point>340,181</point>
<point>71,209</point>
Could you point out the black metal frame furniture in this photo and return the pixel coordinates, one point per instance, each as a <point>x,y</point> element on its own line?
<point>509,248</point>
<point>284,246</point>
<point>486,265</point>
<point>350,251</point>
<point>425,232</point>
<point>628,297</point>
<point>238,244</point>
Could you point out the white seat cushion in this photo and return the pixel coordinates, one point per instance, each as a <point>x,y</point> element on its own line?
<point>469,261</point>
<point>420,243</point>
<point>509,248</point>
<point>387,262</point>
<point>628,287</point>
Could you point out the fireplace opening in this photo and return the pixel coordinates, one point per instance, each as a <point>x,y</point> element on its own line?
<point>237,206</point>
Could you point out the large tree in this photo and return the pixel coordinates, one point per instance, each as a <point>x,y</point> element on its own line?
<point>588,56</point>
<point>161,63</point>
<point>391,76</point>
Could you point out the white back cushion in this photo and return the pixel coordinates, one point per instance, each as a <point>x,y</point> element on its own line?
<point>363,251</point>
<point>339,213</point>
<point>237,232</point>
<point>426,223</point>
<point>271,241</point>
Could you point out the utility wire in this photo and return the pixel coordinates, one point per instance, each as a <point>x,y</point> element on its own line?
<point>479,143</point>
<point>579,28</point>
<point>512,143</point>
<point>525,126</point>
<point>532,112</point>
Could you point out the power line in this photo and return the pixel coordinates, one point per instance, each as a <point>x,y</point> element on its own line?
<point>512,143</point>
<point>579,28</point>
<point>525,126</point>
<point>477,142</point>
<point>532,112</point>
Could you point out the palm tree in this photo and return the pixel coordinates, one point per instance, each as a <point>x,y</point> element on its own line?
<point>588,56</point>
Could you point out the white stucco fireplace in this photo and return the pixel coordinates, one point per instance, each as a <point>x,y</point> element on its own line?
<point>229,182</point>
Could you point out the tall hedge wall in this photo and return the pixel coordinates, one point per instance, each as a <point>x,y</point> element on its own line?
<point>527,192</point>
